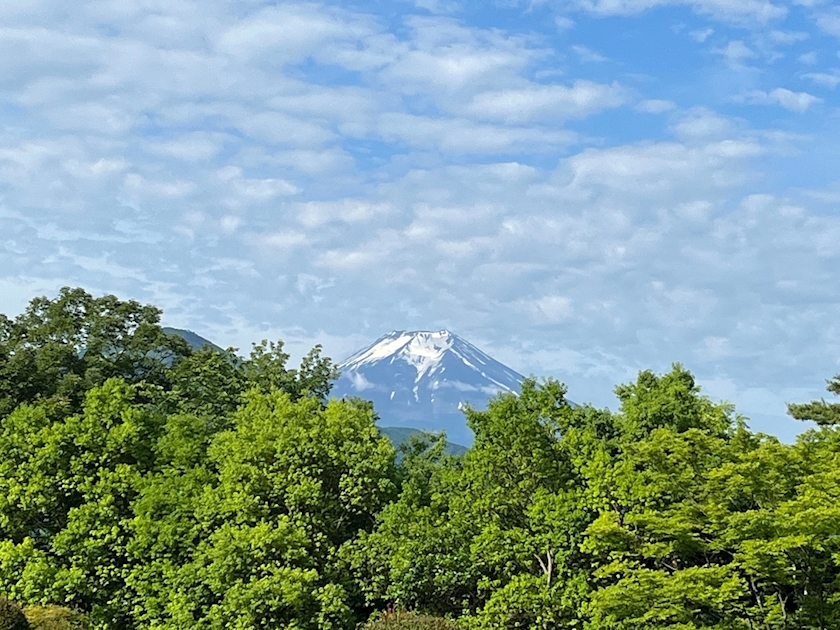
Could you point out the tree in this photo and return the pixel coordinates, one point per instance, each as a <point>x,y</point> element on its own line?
<point>819,411</point>
<point>266,370</point>
<point>59,349</point>
<point>260,544</point>
<point>106,456</point>
<point>150,486</point>
<point>506,516</point>
<point>69,484</point>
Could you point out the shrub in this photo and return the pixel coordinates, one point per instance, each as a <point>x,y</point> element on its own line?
<point>54,618</point>
<point>409,621</point>
<point>11,616</point>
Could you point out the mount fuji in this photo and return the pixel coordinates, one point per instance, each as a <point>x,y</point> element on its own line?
<point>421,379</point>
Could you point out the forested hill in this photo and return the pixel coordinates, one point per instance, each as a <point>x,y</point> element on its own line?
<point>145,484</point>
<point>197,342</point>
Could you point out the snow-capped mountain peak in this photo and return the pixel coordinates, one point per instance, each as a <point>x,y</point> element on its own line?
<point>422,378</point>
<point>422,349</point>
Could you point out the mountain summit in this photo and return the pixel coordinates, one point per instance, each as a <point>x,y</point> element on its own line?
<point>421,379</point>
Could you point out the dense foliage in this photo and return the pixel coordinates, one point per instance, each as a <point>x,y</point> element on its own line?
<point>402,620</point>
<point>147,485</point>
<point>54,617</point>
<point>11,616</point>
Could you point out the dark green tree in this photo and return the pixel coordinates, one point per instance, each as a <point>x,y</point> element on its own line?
<point>819,411</point>
<point>11,616</point>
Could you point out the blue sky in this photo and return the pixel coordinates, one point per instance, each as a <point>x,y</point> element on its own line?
<point>582,188</point>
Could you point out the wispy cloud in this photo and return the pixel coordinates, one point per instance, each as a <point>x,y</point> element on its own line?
<point>541,102</point>
<point>794,101</point>
<point>827,79</point>
<point>740,12</point>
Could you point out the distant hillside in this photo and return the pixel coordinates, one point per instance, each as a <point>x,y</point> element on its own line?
<point>196,341</point>
<point>398,435</point>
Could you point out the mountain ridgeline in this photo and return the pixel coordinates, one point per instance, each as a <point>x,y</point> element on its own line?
<point>423,379</point>
<point>197,342</point>
<point>417,380</point>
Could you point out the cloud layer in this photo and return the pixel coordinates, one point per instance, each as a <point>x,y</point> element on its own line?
<point>584,188</point>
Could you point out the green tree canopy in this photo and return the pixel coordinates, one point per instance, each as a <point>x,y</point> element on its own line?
<point>147,486</point>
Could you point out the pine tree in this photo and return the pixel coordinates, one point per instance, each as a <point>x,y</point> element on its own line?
<point>819,411</point>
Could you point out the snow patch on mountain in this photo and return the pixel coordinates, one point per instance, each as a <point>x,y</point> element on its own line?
<point>422,379</point>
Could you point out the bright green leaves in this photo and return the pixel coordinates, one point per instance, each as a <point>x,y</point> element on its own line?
<point>71,481</point>
<point>671,400</point>
<point>253,537</point>
<point>529,601</point>
<point>715,528</point>
<point>266,370</point>
<point>63,347</point>
<point>695,597</point>
<point>493,537</point>
<point>328,466</point>
<point>670,514</point>
<point>154,487</point>
<point>516,451</point>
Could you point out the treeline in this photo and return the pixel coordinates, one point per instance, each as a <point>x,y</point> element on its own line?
<point>150,486</point>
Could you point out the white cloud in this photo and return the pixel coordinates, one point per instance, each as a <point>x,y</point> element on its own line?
<point>284,240</point>
<point>289,32</point>
<point>742,11</point>
<point>137,183</point>
<point>701,35</point>
<point>313,286</point>
<point>189,147</point>
<point>736,51</point>
<point>462,136</point>
<point>546,102</point>
<point>349,260</point>
<point>100,168</point>
<point>661,170</point>
<point>346,173</point>
<point>828,79</point>
<point>314,213</point>
<point>313,162</point>
<point>655,106</point>
<point>255,189</point>
<point>438,6</point>
<point>230,224</point>
<point>444,56</point>
<point>829,22</point>
<point>587,55</point>
<point>703,124</point>
<point>360,383</point>
<point>265,189</point>
<point>16,292</point>
<point>553,308</point>
<point>563,22</point>
<point>794,101</point>
<point>787,37</point>
<point>280,128</point>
